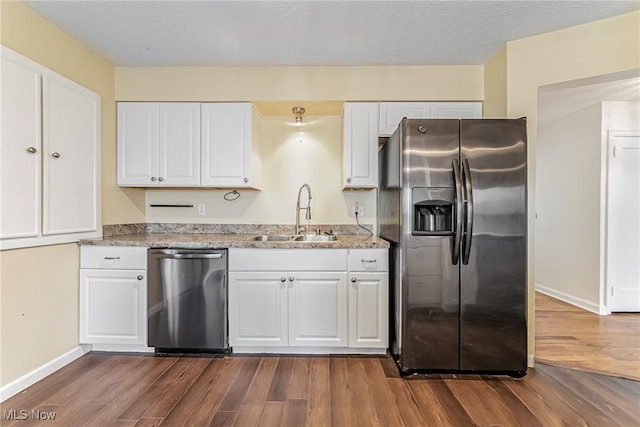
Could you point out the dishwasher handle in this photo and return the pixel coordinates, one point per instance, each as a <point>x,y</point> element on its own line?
<point>192,256</point>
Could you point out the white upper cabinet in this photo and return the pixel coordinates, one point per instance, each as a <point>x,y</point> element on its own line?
<point>456,110</point>
<point>360,139</point>
<point>21,151</point>
<point>158,144</point>
<point>230,133</point>
<point>71,160</point>
<point>392,113</point>
<point>50,163</point>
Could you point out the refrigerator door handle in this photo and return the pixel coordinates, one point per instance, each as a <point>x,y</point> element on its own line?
<point>455,256</point>
<point>468,190</point>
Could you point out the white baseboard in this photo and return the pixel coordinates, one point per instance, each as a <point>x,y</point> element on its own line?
<point>16,386</point>
<point>569,299</point>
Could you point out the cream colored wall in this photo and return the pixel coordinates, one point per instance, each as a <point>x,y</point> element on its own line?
<point>294,163</point>
<point>290,157</point>
<point>495,86</point>
<point>432,83</point>
<point>39,286</point>
<point>568,204</point>
<point>600,47</point>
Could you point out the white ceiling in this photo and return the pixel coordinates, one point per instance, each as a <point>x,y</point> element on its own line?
<point>302,32</point>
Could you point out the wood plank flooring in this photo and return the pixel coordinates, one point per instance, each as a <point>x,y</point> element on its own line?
<point>102,389</point>
<point>571,337</point>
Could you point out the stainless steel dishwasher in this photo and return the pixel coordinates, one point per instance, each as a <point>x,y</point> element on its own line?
<point>187,300</point>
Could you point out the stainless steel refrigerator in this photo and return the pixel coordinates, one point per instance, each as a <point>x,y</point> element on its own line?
<point>452,202</point>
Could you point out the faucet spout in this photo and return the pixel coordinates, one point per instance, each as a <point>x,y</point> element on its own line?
<point>298,208</point>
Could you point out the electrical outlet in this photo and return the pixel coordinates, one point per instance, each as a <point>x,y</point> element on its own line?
<point>357,207</point>
<point>201,210</point>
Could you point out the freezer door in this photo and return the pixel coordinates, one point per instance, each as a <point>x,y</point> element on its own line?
<point>493,327</point>
<point>429,278</point>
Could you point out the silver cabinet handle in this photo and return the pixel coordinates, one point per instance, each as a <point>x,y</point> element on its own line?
<point>55,155</point>
<point>111,257</point>
<point>32,150</point>
<point>348,179</point>
<point>160,178</point>
<point>193,256</point>
<point>369,260</point>
<point>291,279</point>
<point>354,280</point>
<point>283,279</point>
<point>246,180</point>
<point>153,178</point>
<point>140,277</point>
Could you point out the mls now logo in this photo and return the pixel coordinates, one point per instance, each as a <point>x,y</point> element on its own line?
<point>23,414</point>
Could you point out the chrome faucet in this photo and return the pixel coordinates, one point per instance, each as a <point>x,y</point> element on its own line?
<point>298,208</point>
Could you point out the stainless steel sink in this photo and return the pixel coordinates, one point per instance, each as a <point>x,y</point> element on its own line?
<point>275,237</point>
<point>316,238</point>
<point>295,238</point>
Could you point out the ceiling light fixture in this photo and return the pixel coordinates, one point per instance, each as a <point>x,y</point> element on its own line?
<point>298,112</point>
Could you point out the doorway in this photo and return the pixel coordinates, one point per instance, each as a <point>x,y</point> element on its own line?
<point>623,221</point>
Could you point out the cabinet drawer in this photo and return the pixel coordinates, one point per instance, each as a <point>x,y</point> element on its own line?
<point>368,260</point>
<point>287,259</point>
<point>113,257</point>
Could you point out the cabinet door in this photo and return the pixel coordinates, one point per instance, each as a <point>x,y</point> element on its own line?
<point>21,150</point>
<point>456,110</point>
<point>113,307</point>
<point>226,144</point>
<point>137,144</point>
<point>360,138</point>
<point>179,144</point>
<point>392,113</point>
<point>318,309</point>
<point>368,310</point>
<point>258,309</point>
<point>71,157</point>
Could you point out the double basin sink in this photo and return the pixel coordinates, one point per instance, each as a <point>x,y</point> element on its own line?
<point>296,238</point>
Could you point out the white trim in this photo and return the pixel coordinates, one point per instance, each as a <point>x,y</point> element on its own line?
<point>27,380</point>
<point>127,348</point>
<point>530,360</point>
<point>307,350</point>
<point>570,299</point>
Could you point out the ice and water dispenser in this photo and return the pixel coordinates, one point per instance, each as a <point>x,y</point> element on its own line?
<point>433,211</point>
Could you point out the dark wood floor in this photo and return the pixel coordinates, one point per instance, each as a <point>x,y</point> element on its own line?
<point>127,390</point>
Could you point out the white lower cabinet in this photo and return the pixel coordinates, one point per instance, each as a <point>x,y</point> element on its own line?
<point>279,309</point>
<point>299,300</point>
<point>368,309</point>
<point>113,298</point>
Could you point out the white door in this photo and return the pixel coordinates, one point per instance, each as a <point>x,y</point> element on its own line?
<point>179,144</point>
<point>368,309</point>
<point>258,309</point>
<point>318,309</point>
<point>360,140</point>
<point>113,307</point>
<point>71,157</point>
<point>20,151</point>
<point>137,144</point>
<point>623,222</point>
<point>226,144</point>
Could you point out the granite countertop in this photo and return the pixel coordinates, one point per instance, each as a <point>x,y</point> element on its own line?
<point>217,241</point>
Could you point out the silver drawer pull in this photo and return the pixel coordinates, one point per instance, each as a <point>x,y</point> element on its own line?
<point>140,277</point>
<point>112,257</point>
<point>369,260</point>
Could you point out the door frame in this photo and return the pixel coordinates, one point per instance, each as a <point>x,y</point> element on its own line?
<point>605,283</point>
